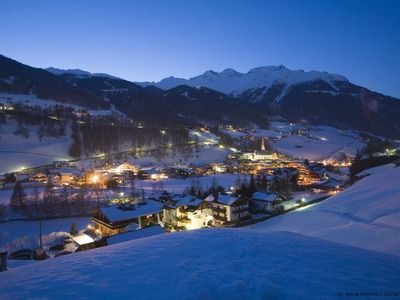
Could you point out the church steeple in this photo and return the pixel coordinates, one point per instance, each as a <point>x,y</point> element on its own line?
<point>262,145</point>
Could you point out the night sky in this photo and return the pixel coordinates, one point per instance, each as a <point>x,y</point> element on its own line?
<point>150,40</point>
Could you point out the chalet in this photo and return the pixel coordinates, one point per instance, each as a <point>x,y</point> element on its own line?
<point>126,167</point>
<point>185,211</point>
<point>218,168</point>
<point>64,175</point>
<point>229,209</point>
<point>150,173</point>
<point>162,197</point>
<point>278,178</point>
<point>39,177</point>
<point>234,156</point>
<point>118,178</point>
<point>115,219</point>
<point>289,175</point>
<point>267,202</point>
<point>185,172</point>
<point>88,240</point>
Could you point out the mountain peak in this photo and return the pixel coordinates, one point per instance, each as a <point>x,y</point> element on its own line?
<point>210,73</point>
<point>230,72</point>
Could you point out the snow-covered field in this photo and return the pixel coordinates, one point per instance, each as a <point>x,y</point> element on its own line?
<point>365,215</point>
<point>204,155</point>
<point>208,264</point>
<point>176,185</point>
<point>323,142</point>
<point>315,143</point>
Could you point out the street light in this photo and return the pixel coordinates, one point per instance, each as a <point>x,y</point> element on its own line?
<point>95,179</point>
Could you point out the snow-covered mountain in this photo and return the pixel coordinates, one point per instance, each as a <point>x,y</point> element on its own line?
<point>230,81</point>
<point>78,72</point>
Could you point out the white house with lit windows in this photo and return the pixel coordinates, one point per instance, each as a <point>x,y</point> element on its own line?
<point>229,209</point>
<point>267,202</point>
<point>187,212</point>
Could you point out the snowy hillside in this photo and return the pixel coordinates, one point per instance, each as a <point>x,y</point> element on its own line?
<point>230,81</point>
<point>307,142</point>
<point>365,215</point>
<point>18,151</point>
<point>207,264</point>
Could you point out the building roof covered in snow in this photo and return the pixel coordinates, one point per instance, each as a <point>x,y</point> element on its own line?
<point>224,199</point>
<point>116,213</point>
<point>267,197</point>
<point>185,200</point>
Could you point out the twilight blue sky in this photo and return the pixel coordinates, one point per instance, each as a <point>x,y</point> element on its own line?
<point>150,40</point>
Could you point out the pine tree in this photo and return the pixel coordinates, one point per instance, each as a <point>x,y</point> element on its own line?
<point>75,148</point>
<point>133,192</point>
<point>49,200</point>
<point>252,186</point>
<point>2,211</point>
<point>73,229</point>
<point>214,182</point>
<point>18,197</point>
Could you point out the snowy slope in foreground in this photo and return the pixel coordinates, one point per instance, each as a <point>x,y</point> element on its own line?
<point>365,215</point>
<point>207,264</point>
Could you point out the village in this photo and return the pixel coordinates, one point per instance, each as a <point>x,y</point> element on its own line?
<point>126,201</point>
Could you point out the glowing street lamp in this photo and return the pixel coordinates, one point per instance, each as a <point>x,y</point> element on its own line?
<point>95,179</point>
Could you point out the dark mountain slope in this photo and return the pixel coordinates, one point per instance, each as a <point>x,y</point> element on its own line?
<point>22,79</point>
<point>343,105</point>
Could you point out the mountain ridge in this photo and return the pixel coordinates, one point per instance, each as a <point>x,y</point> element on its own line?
<point>78,72</point>
<point>315,97</point>
<point>230,81</point>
